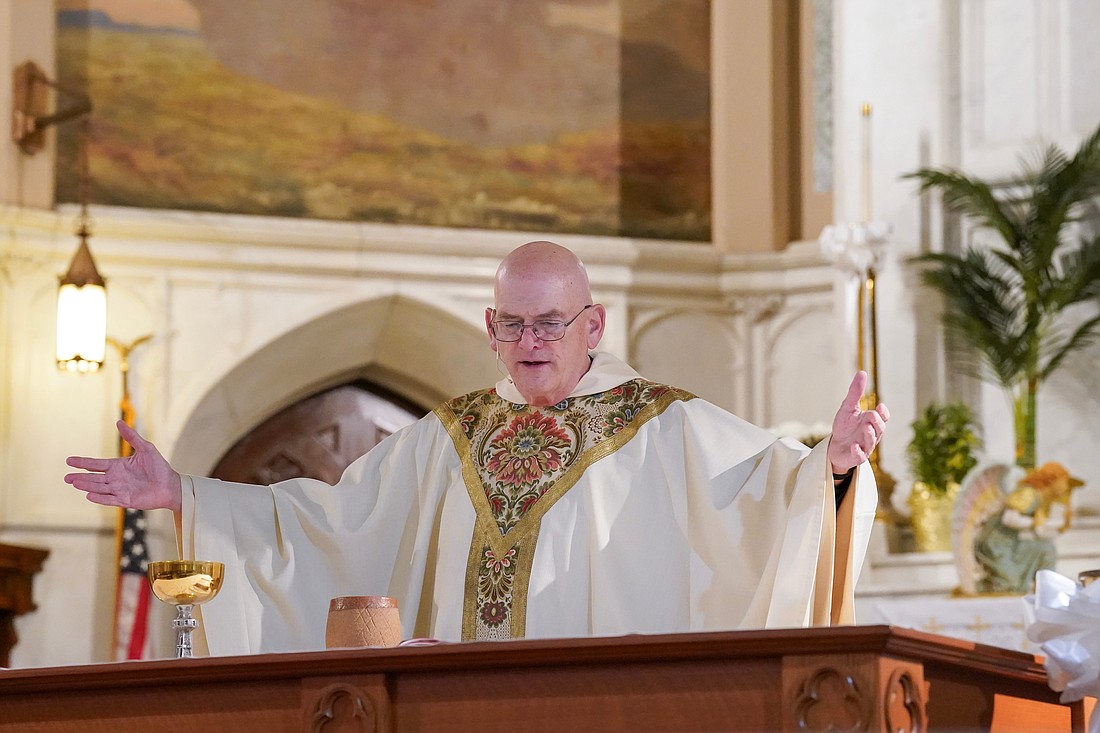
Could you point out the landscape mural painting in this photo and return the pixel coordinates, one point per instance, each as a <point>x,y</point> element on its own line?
<point>587,116</point>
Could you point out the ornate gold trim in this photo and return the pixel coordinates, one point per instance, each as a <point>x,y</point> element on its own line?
<point>525,531</point>
<point>469,598</point>
<point>530,521</point>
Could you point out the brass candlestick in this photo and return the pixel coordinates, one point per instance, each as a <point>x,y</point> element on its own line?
<point>869,363</point>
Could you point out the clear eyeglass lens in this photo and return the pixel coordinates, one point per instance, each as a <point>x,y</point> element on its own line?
<point>543,330</point>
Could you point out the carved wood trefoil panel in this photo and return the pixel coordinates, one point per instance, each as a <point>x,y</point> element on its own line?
<point>830,700</point>
<point>346,708</point>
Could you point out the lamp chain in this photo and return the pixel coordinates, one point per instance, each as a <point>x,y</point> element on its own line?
<point>83,181</point>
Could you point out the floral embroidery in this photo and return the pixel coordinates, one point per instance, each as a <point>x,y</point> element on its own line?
<point>529,448</point>
<point>493,613</point>
<point>629,399</point>
<point>619,419</point>
<point>519,453</point>
<point>495,586</point>
<point>496,566</point>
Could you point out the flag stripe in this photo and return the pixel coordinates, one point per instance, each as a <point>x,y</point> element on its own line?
<point>132,595</point>
<point>137,638</point>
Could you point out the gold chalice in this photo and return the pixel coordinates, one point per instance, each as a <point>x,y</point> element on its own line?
<point>185,583</point>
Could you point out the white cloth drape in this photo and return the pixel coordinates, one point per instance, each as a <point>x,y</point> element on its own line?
<point>1065,618</point>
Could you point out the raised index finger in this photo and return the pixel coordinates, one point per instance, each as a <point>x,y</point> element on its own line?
<point>855,392</point>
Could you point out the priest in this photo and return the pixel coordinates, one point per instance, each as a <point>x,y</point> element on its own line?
<point>573,498</point>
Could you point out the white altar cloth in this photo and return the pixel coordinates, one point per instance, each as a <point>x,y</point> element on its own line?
<point>994,620</point>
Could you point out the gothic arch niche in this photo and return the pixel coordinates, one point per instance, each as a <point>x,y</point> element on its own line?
<point>415,351</point>
<point>317,437</point>
<point>695,350</point>
<point>800,359</point>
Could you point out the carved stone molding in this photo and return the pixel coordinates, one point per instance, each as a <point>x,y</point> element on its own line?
<point>756,307</point>
<point>830,700</point>
<point>644,318</point>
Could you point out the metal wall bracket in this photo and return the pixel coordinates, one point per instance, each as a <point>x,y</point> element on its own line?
<point>30,107</point>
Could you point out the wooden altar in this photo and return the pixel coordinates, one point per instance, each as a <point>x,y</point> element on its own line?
<point>18,566</point>
<point>871,678</point>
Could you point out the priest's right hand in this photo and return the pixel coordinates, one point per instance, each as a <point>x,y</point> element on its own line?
<point>143,480</point>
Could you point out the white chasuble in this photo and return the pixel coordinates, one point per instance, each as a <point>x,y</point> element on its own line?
<point>630,507</point>
<point>518,460</point>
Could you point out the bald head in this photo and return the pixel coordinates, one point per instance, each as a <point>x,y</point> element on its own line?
<point>537,284</point>
<point>549,264</point>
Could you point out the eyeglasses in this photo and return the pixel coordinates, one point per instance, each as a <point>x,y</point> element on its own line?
<point>508,331</point>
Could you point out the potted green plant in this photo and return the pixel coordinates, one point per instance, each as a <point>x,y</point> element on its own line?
<point>1008,301</point>
<point>940,454</point>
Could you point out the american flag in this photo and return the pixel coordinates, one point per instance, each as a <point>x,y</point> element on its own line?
<point>132,589</point>
<point>130,639</point>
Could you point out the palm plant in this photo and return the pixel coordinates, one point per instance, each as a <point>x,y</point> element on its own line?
<point>1007,301</point>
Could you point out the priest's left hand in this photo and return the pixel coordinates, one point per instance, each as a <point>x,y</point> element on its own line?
<point>856,431</point>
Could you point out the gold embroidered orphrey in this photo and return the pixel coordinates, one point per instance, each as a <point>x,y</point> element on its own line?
<point>517,461</point>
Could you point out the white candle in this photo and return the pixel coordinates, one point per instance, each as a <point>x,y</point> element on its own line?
<point>865,112</point>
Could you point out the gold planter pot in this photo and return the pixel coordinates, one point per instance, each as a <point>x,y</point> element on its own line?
<point>930,514</point>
